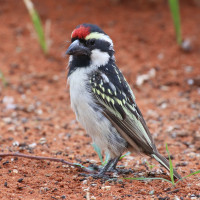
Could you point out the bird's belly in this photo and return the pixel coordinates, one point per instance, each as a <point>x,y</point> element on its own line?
<point>92,121</point>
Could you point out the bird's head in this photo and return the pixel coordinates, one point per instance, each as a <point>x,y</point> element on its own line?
<point>90,46</point>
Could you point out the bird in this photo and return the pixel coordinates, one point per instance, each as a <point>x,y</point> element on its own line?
<point>103,101</point>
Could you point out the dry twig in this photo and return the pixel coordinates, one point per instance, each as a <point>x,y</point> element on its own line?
<point>2,155</point>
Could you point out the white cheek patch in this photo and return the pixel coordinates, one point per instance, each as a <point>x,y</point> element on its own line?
<point>99,58</point>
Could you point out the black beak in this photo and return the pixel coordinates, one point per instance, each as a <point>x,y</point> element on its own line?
<point>77,48</point>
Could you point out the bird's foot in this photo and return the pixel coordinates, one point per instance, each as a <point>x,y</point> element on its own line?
<point>120,170</point>
<point>96,175</point>
<point>124,171</point>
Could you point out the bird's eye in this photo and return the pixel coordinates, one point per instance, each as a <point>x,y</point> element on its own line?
<point>91,42</point>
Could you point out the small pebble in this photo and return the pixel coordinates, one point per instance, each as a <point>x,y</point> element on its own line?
<point>7,120</point>
<point>42,140</point>
<point>6,162</point>
<point>188,69</point>
<point>107,187</point>
<point>32,146</point>
<point>6,184</point>
<point>30,108</point>
<point>15,143</point>
<point>20,180</point>
<point>84,182</point>
<point>15,171</point>
<point>39,112</point>
<point>151,192</point>
<point>63,197</point>
<point>186,45</point>
<point>190,81</point>
<point>48,175</point>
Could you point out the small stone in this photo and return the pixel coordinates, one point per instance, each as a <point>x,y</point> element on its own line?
<point>92,197</point>
<point>39,112</point>
<point>20,180</point>
<point>15,143</point>
<point>7,120</point>
<point>32,146</point>
<point>84,182</point>
<point>186,45</point>
<point>86,189</point>
<point>24,120</point>
<point>6,184</point>
<point>190,81</point>
<point>63,197</point>
<point>188,69</point>
<point>151,192</point>
<point>107,187</point>
<point>8,99</point>
<point>55,78</point>
<point>163,105</point>
<point>48,175</point>
<point>42,140</point>
<point>31,108</point>
<point>6,162</point>
<point>15,171</point>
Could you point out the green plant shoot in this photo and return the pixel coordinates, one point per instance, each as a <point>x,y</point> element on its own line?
<point>37,25</point>
<point>174,7</point>
<point>170,166</point>
<point>3,79</point>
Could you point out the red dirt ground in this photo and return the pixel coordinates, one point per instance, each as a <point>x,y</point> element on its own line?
<point>36,117</point>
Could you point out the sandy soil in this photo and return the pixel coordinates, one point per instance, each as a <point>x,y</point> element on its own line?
<point>36,117</point>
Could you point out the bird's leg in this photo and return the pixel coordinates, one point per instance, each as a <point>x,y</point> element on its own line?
<point>113,165</point>
<point>113,168</point>
<point>106,168</point>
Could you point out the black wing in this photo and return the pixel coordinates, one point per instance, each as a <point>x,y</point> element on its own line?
<point>114,95</point>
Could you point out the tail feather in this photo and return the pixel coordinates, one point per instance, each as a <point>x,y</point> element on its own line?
<point>163,161</point>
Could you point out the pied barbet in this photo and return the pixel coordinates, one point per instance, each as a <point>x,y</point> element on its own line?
<point>103,101</point>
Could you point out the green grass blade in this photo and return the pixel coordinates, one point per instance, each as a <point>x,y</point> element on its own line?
<point>174,7</point>
<point>98,150</point>
<point>126,154</point>
<point>145,179</point>
<point>194,173</point>
<point>3,79</point>
<point>37,25</point>
<point>170,166</point>
<point>149,165</point>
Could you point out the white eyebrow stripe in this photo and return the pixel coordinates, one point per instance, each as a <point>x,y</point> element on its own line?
<point>100,36</point>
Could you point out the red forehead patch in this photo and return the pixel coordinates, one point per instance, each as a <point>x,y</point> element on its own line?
<point>81,32</point>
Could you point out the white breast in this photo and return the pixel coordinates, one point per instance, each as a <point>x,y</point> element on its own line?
<point>82,104</point>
